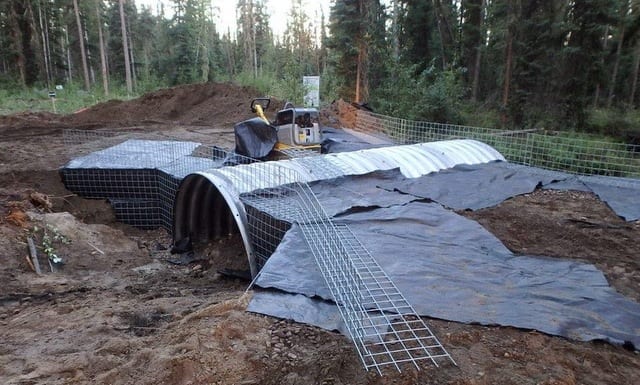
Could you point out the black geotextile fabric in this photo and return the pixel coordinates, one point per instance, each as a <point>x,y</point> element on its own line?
<point>622,195</point>
<point>356,192</point>
<point>337,140</point>
<point>255,138</point>
<point>479,186</point>
<point>449,267</point>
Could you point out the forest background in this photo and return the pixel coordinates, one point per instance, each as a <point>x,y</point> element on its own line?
<point>562,65</point>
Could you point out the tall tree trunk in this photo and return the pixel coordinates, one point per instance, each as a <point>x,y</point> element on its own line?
<point>16,34</point>
<point>396,31</point>
<point>103,56</point>
<point>92,71</point>
<point>83,55</point>
<point>512,19</point>
<point>22,30</point>
<point>125,47</point>
<point>362,71</point>
<point>478,53</point>
<point>476,75</point>
<point>605,45</point>
<point>254,49</point>
<point>507,72</point>
<point>45,51</point>
<point>68,50</point>
<point>134,75</point>
<point>444,30</point>
<point>634,74</point>
<point>358,75</point>
<point>616,63</point>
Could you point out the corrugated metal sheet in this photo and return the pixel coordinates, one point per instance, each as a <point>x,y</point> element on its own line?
<point>209,188</point>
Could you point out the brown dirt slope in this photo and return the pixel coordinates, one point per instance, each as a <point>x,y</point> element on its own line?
<point>193,104</point>
<point>204,104</point>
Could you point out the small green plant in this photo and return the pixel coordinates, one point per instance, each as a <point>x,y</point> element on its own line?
<point>50,236</point>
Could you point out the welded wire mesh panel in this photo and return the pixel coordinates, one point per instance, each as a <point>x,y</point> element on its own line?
<point>404,336</point>
<point>384,327</point>
<point>112,183</point>
<point>321,167</point>
<point>579,154</point>
<point>139,176</point>
<point>294,152</point>
<point>78,142</point>
<point>266,232</point>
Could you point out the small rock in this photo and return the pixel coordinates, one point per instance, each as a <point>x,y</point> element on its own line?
<point>618,270</point>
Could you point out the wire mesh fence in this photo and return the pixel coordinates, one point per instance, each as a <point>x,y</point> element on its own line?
<point>384,327</point>
<point>570,152</point>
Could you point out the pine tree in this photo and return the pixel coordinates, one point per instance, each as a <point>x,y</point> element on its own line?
<point>352,26</point>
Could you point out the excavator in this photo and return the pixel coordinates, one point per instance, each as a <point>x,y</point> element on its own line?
<point>295,132</point>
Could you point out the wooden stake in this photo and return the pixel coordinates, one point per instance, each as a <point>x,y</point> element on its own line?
<point>30,263</point>
<point>34,255</point>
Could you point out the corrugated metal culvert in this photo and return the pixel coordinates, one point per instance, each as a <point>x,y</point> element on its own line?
<point>208,203</point>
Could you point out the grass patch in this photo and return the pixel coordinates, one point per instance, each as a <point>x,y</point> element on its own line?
<point>68,100</point>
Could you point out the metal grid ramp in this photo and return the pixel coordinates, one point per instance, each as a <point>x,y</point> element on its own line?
<point>384,327</point>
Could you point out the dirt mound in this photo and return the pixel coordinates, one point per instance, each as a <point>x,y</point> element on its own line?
<point>193,104</point>
<point>29,119</point>
<point>339,114</point>
<point>203,104</point>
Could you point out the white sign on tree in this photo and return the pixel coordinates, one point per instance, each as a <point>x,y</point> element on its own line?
<point>312,91</point>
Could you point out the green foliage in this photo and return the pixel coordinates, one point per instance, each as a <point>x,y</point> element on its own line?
<point>479,114</point>
<point>264,84</point>
<point>50,237</point>
<point>68,100</point>
<point>583,154</point>
<point>431,95</point>
<point>615,123</point>
<point>288,88</point>
<point>419,34</point>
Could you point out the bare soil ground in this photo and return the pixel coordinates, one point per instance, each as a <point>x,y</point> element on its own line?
<point>118,313</point>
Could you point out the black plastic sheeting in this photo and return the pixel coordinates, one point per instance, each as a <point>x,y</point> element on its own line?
<point>337,140</point>
<point>622,195</point>
<point>473,187</point>
<point>255,138</point>
<point>346,193</point>
<point>447,266</point>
